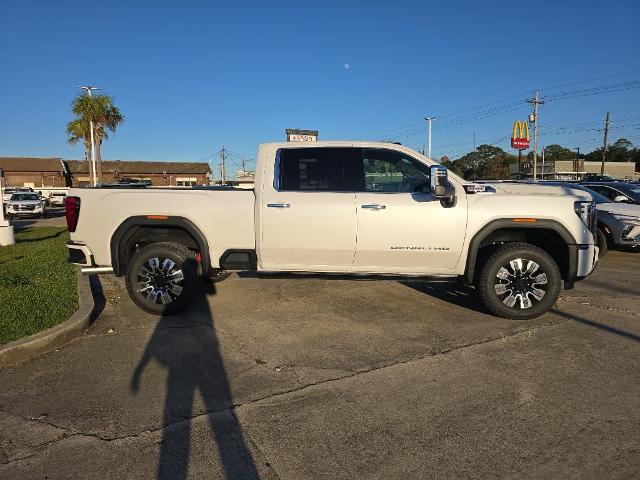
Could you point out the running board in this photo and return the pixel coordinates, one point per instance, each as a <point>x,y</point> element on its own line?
<point>96,270</point>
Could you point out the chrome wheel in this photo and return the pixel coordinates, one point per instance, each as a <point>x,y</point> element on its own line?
<point>160,280</point>
<point>520,283</point>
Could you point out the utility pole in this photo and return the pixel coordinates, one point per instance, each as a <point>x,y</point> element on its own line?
<point>606,145</point>
<point>576,164</point>
<point>89,89</point>
<point>223,157</point>
<point>534,118</point>
<point>542,172</point>
<point>428,119</point>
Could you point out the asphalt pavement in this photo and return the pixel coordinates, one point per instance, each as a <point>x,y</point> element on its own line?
<point>315,378</point>
<point>55,218</point>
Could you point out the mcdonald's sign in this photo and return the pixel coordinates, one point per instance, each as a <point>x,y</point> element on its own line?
<point>520,136</point>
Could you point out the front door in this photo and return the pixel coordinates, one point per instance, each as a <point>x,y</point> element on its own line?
<point>309,214</point>
<point>401,226</point>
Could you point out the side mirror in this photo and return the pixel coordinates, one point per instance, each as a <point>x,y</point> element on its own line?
<point>440,186</point>
<point>620,199</point>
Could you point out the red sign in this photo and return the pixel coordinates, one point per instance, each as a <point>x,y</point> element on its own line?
<point>520,136</point>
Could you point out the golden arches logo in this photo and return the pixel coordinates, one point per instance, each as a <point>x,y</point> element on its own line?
<point>520,135</point>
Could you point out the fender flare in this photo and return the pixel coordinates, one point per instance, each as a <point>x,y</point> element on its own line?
<point>508,223</point>
<point>127,226</point>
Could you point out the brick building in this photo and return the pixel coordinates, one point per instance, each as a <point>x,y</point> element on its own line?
<point>180,174</point>
<point>32,172</point>
<point>50,172</point>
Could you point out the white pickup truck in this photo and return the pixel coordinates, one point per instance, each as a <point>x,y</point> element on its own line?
<point>358,208</point>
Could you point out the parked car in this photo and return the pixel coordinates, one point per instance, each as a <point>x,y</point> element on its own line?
<point>623,192</point>
<point>598,178</point>
<point>341,208</point>
<point>8,191</point>
<point>57,199</point>
<point>24,204</point>
<point>618,222</point>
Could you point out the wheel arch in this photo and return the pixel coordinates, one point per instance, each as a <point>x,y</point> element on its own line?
<point>156,229</point>
<point>550,235</point>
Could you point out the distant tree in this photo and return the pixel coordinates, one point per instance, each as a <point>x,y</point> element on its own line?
<point>487,161</point>
<point>556,152</point>
<point>106,117</point>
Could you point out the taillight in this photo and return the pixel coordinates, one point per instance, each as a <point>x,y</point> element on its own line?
<point>72,212</point>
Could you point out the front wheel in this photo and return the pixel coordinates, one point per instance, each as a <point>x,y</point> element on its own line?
<point>161,278</point>
<point>601,242</point>
<point>519,281</point>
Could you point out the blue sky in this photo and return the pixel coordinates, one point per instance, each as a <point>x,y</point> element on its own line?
<point>190,76</point>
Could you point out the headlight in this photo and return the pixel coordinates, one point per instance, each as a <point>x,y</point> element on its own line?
<point>586,210</point>
<point>627,218</point>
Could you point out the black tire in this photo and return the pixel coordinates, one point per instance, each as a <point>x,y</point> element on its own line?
<point>150,292</point>
<point>601,242</point>
<point>521,298</point>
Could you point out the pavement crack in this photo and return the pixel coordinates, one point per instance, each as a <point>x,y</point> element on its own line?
<point>231,408</point>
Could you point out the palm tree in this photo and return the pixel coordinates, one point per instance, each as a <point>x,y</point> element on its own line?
<point>106,118</point>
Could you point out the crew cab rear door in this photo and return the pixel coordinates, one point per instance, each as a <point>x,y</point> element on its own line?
<point>402,227</point>
<point>308,214</point>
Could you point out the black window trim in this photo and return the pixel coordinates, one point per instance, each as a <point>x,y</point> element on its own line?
<point>278,166</point>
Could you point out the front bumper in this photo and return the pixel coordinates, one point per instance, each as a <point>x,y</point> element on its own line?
<point>582,262</point>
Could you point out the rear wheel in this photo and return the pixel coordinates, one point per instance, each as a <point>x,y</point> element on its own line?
<point>161,278</point>
<point>601,242</point>
<point>519,281</point>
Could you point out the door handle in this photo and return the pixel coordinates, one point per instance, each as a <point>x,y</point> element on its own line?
<point>374,206</point>
<point>278,205</point>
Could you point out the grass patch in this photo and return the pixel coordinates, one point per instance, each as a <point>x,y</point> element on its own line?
<point>38,288</point>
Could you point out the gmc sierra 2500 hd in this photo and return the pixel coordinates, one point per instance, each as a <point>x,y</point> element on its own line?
<point>340,208</point>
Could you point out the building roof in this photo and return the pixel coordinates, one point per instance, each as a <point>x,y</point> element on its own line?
<point>134,167</point>
<point>31,164</point>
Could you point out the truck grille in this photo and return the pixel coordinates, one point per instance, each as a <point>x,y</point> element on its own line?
<point>24,208</point>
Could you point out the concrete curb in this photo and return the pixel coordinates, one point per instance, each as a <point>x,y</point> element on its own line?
<point>54,337</point>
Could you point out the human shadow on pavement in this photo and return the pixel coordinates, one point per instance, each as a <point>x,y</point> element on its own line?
<point>599,325</point>
<point>187,346</point>
<point>452,292</point>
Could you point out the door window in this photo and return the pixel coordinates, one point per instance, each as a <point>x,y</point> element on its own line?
<point>316,169</point>
<point>391,171</point>
<point>610,193</point>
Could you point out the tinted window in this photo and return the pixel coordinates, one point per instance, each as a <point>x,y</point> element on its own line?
<point>391,171</point>
<point>631,190</point>
<point>606,191</point>
<point>316,169</point>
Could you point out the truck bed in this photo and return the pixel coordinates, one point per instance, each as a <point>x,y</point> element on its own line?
<point>222,213</point>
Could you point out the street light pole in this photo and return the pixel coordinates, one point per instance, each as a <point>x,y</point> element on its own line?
<point>89,89</point>
<point>428,119</point>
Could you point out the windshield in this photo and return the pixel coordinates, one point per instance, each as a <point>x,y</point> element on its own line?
<point>17,197</point>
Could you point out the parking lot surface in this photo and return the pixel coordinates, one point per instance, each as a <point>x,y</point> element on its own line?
<point>55,218</point>
<point>316,378</point>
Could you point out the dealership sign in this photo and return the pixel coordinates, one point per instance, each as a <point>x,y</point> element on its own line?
<point>520,136</point>
<point>296,135</point>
